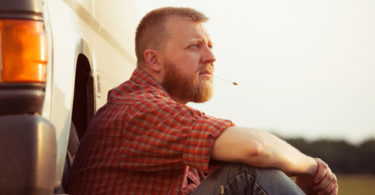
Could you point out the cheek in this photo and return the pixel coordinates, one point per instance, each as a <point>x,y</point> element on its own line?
<point>188,63</point>
<point>190,67</point>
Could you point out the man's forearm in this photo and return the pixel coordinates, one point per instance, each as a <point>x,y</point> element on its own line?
<point>261,149</point>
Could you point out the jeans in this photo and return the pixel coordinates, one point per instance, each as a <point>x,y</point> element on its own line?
<point>241,179</point>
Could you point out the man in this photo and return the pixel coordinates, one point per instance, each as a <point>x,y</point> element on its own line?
<point>146,140</point>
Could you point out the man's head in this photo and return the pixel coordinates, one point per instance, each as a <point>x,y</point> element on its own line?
<point>173,45</point>
<point>151,32</point>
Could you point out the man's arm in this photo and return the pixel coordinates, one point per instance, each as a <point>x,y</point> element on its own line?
<point>262,149</point>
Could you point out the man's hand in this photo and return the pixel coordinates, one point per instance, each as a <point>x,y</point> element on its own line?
<point>323,182</point>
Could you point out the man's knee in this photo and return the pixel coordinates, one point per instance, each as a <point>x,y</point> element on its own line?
<point>271,174</point>
<point>261,180</point>
<point>232,178</point>
<point>237,178</point>
<point>233,169</point>
<point>274,181</point>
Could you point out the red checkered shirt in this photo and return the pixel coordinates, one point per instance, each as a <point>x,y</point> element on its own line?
<point>143,142</point>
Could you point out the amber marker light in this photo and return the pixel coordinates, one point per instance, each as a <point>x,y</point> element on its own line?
<point>23,51</point>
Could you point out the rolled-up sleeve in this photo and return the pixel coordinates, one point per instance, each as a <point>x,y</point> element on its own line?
<point>198,146</point>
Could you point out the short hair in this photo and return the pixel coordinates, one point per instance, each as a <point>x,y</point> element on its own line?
<point>151,31</point>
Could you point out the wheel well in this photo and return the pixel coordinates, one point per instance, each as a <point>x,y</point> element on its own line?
<point>83,101</point>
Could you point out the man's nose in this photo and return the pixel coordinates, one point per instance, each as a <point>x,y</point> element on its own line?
<point>208,56</point>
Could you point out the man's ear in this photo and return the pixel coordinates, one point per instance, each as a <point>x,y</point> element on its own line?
<point>152,60</point>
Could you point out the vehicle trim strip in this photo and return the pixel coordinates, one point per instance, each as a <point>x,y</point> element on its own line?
<point>94,24</point>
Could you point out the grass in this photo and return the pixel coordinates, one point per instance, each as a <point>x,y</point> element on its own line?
<point>356,184</point>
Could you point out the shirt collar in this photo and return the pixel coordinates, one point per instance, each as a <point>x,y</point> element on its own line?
<point>145,79</point>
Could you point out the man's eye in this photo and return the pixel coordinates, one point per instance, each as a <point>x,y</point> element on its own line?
<point>195,46</point>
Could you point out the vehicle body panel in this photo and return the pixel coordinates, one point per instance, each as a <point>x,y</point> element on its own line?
<point>102,33</point>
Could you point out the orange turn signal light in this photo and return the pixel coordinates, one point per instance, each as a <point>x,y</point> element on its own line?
<point>23,51</point>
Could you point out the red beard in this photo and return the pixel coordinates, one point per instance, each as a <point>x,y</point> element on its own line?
<point>185,89</point>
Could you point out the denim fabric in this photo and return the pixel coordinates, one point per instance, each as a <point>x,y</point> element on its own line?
<point>241,179</point>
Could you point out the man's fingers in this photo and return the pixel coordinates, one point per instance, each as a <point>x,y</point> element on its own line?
<point>325,180</point>
<point>322,170</point>
<point>335,190</point>
<point>328,185</point>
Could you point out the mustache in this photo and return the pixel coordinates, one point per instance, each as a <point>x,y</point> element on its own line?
<point>207,67</point>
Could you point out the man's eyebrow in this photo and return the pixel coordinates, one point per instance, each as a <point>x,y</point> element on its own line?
<point>194,40</point>
<point>200,40</point>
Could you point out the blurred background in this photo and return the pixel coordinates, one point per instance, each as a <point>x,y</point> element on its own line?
<point>305,71</point>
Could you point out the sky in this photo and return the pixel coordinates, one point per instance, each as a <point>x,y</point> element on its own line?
<point>304,68</point>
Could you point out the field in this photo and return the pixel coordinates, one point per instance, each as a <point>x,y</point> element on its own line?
<point>356,184</point>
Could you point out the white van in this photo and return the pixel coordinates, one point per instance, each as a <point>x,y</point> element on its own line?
<point>58,59</point>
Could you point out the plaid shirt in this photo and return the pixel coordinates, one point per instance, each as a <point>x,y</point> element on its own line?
<point>143,142</point>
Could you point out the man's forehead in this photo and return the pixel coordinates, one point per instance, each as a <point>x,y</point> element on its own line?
<point>186,28</point>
